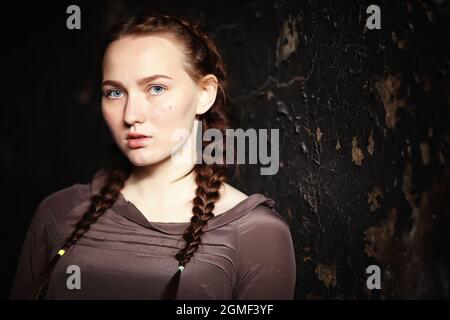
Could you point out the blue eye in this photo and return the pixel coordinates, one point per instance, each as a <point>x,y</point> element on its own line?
<point>158,89</point>
<point>114,94</point>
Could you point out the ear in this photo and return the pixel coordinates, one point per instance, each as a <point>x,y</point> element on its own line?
<point>208,91</point>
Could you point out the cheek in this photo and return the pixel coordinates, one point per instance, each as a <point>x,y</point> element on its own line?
<point>112,116</point>
<point>173,117</point>
<point>176,112</point>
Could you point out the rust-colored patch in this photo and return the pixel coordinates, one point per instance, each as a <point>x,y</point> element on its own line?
<point>327,274</point>
<point>377,237</point>
<point>288,40</point>
<point>373,199</point>
<point>357,155</point>
<point>371,143</point>
<point>388,89</point>
<point>338,145</point>
<point>425,153</point>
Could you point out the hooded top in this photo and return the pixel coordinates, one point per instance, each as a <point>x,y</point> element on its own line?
<point>246,252</point>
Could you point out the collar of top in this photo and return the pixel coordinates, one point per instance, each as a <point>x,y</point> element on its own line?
<point>128,210</point>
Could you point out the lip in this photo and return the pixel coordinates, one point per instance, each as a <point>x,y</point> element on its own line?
<point>136,135</point>
<point>135,143</point>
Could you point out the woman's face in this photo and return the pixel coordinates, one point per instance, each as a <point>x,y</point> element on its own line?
<point>145,84</point>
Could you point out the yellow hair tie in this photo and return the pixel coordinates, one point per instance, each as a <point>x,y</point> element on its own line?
<point>181,268</point>
<point>61,252</point>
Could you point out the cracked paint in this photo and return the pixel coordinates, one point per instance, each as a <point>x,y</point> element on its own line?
<point>388,89</point>
<point>306,68</point>
<point>326,274</point>
<point>287,41</point>
<point>357,155</point>
<point>377,238</point>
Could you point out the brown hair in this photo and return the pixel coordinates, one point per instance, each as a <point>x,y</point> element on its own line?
<point>202,58</point>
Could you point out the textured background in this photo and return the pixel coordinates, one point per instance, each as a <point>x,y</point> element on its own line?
<point>363,118</point>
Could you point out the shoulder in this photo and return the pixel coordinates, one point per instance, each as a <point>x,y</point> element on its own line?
<point>229,198</point>
<point>264,217</point>
<point>62,201</point>
<point>259,217</point>
<point>67,197</point>
<point>264,234</point>
<point>263,222</point>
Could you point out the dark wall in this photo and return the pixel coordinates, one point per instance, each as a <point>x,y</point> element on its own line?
<point>363,117</point>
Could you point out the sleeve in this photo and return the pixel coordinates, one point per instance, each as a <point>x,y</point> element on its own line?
<point>34,254</point>
<point>266,266</point>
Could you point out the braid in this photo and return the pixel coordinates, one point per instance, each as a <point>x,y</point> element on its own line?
<point>204,58</point>
<point>99,204</point>
<point>207,193</point>
<point>209,179</point>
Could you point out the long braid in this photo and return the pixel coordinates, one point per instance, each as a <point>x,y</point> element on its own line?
<point>208,177</point>
<point>101,202</point>
<point>204,59</point>
<point>209,180</point>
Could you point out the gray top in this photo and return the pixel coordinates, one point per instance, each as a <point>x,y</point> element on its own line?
<point>246,252</point>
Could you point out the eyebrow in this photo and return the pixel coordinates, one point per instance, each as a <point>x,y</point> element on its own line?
<point>140,81</point>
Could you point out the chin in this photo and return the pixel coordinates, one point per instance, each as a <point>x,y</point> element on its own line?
<point>142,158</point>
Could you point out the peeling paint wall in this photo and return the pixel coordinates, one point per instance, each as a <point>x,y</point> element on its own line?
<point>363,118</point>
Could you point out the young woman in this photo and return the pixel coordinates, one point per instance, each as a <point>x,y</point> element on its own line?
<point>149,227</point>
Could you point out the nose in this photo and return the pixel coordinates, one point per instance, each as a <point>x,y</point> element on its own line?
<point>135,110</point>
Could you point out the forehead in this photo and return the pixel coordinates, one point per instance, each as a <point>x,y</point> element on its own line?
<point>141,56</point>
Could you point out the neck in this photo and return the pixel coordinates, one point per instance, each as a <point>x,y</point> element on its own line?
<point>165,183</point>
